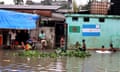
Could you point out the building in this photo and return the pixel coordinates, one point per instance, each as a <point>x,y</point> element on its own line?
<point>50,21</point>
<point>115,7</point>
<point>97,30</point>
<point>99,7</point>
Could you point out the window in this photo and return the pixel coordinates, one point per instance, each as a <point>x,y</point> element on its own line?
<point>86,19</point>
<point>101,20</point>
<point>74,18</point>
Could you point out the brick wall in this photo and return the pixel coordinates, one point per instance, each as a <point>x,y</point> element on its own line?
<point>99,8</point>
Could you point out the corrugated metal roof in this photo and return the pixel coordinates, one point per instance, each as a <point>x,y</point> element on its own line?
<point>51,19</point>
<point>92,15</point>
<point>42,7</point>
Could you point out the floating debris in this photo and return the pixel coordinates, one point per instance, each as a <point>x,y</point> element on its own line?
<point>69,53</point>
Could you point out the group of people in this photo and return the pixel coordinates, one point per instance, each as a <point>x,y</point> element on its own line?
<point>81,47</point>
<point>18,37</point>
<point>111,48</point>
<point>22,38</point>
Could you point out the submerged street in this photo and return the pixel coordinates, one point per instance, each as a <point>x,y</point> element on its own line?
<point>97,62</point>
<point>88,29</point>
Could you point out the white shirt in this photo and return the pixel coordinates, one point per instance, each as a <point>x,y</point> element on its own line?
<point>13,35</point>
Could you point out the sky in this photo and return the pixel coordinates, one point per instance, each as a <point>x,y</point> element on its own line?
<point>77,1</point>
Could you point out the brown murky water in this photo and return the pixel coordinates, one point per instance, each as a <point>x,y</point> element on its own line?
<point>95,63</point>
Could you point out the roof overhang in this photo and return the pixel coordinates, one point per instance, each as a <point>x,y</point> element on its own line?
<point>38,7</point>
<point>54,17</point>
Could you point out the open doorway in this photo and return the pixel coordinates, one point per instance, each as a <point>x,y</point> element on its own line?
<point>60,30</point>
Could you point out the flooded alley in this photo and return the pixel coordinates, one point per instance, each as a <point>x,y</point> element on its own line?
<point>9,62</point>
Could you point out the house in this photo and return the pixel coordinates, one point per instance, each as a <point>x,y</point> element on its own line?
<point>50,21</point>
<point>115,7</point>
<point>97,30</point>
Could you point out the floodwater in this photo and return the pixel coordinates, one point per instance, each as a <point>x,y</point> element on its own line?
<point>95,63</point>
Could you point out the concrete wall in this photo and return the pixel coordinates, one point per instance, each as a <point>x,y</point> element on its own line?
<point>109,30</point>
<point>50,35</point>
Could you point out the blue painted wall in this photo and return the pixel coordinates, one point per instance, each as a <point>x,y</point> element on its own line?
<point>109,30</point>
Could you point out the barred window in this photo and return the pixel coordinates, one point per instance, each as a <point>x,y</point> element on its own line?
<point>74,18</point>
<point>101,19</point>
<point>86,19</point>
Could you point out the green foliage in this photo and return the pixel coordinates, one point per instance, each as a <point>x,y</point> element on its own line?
<point>70,53</point>
<point>17,2</point>
<point>2,2</point>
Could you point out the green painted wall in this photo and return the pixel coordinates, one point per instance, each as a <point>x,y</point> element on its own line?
<point>109,30</point>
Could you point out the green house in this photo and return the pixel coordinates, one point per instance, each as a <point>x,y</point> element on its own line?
<point>97,30</point>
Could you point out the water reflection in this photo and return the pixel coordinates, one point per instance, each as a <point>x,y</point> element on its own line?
<point>96,63</point>
<point>58,65</point>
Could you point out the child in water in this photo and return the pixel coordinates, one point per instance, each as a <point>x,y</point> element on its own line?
<point>111,48</point>
<point>78,45</point>
<point>28,45</point>
<point>83,45</point>
<point>102,49</point>
<point>62,44</point>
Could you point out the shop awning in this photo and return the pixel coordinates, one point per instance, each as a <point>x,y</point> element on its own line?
<point>17,20</point>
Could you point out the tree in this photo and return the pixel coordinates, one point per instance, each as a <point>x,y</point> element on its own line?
<point>87,6</point>
<point>1,2</point>
<point>47,2</point>
<point>18,2</point>
<point>75,7</point>
<point>29,2</point>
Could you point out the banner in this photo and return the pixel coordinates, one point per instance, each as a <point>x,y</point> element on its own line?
<point>75,29</point>
<point>91,30</point>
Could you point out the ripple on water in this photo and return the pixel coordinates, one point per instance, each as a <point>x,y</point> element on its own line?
<point>58,70</point>
<point>11,70</point>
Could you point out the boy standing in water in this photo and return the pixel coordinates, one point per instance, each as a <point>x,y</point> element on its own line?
<point>62,43</point>
<point>42,37</point>
<point>83,45</point>
<point>102,49</point>
<point>111,48</point>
